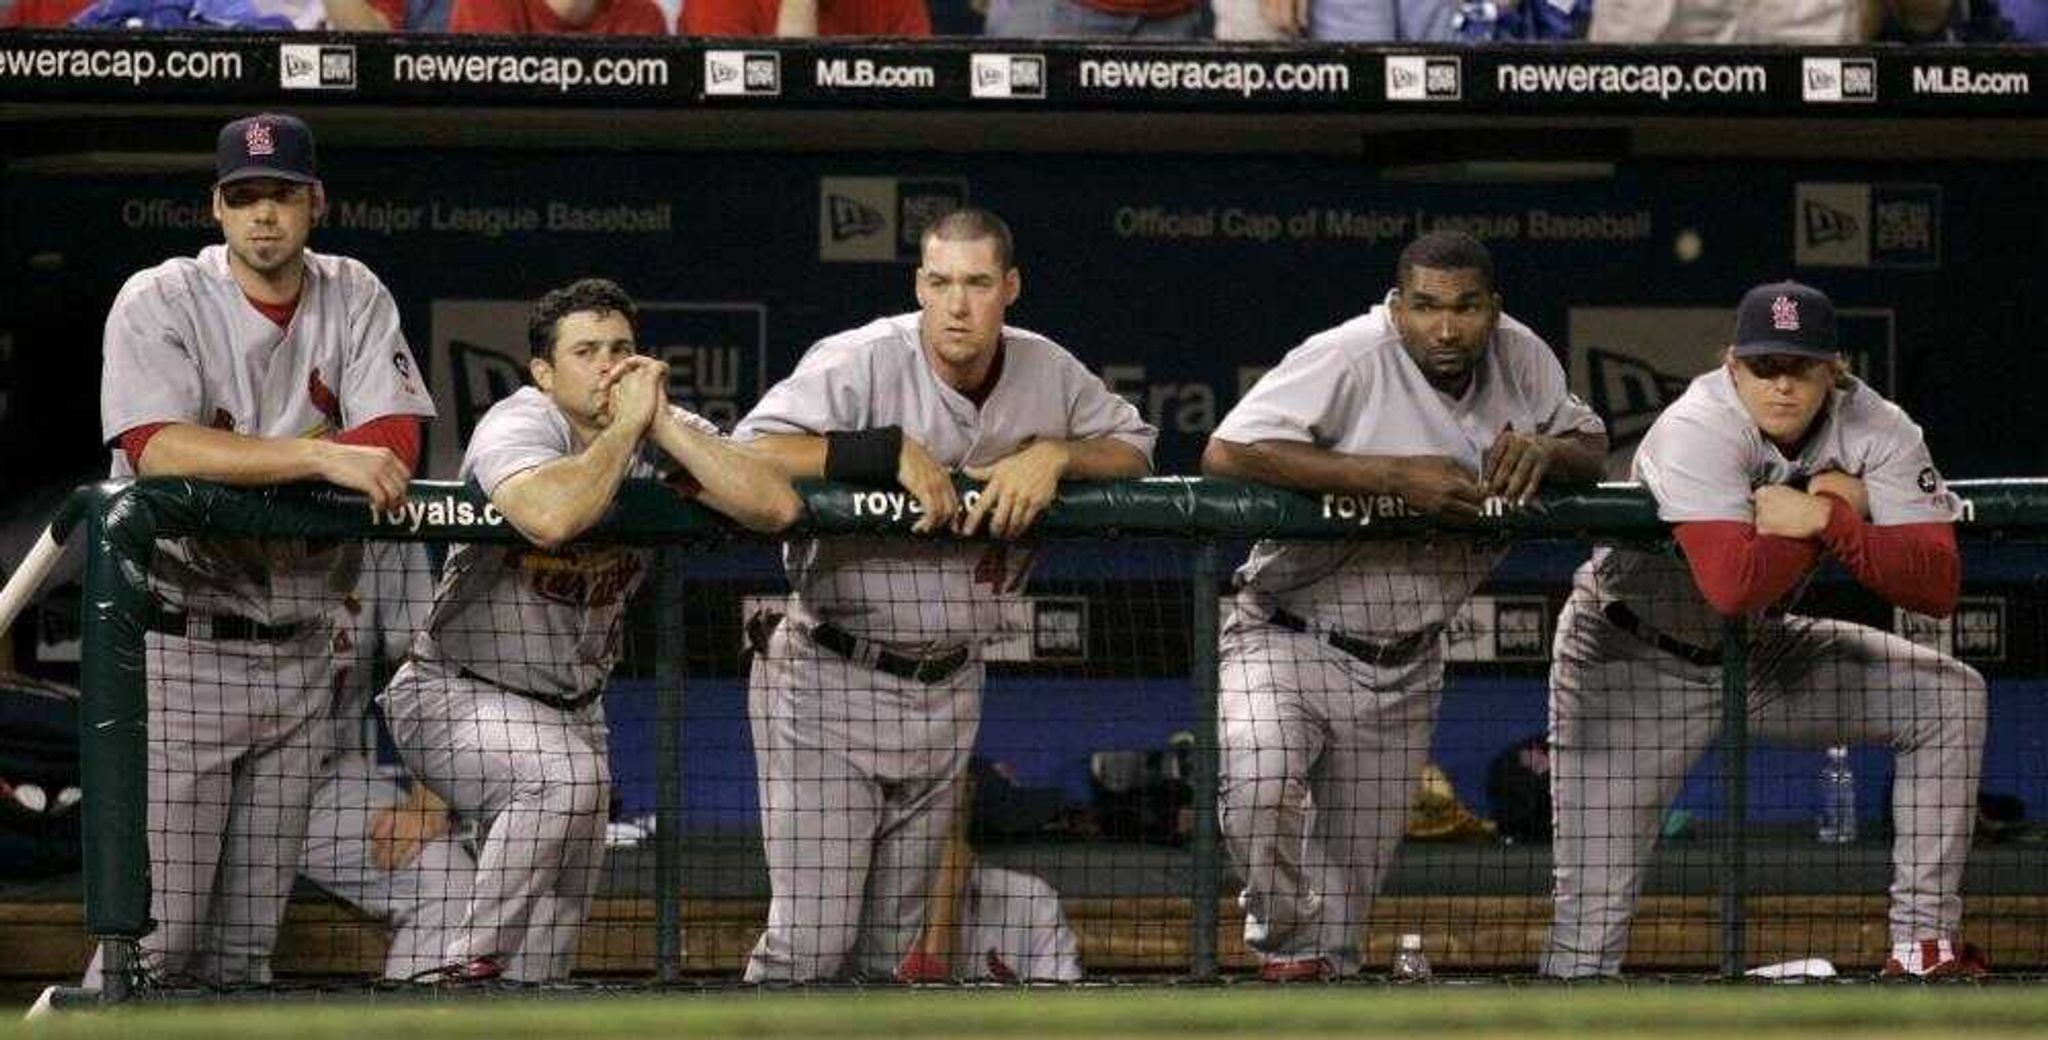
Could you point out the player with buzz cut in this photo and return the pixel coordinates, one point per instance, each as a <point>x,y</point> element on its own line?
<point>499,707</point>
<point>1332,663</point>
<point>865,701</point>
<point>258,362</point>
<point>1766,465</point>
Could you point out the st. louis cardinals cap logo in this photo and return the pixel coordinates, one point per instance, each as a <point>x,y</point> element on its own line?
<point>1785,314</point>
<point>257,139</point>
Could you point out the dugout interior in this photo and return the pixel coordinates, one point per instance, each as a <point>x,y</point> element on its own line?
<point>754,224</point>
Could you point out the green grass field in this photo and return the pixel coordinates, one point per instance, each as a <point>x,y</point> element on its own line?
<point>1489,1010</point>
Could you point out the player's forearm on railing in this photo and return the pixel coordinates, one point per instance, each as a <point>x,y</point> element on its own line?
<point>1581,459</point>
<point>800,455</point>
<point>1103,458</point>
<point>1292,464</point>
<point>735,480</point>
<point>227,457</point>
<point>555,502</point>
<point>1915,566</point>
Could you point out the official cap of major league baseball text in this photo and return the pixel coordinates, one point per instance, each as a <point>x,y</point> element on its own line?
<point>266,145</point>
<point>1785,318</point>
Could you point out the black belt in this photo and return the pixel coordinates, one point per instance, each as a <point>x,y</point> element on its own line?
<point>552,700</point>
<point>1628,621</point>
<point>1398,652</point>
<point>226,627</point>
<point>930,669</point>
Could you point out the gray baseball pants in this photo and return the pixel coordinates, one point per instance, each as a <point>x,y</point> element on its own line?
<point>1320,754</point>
<point>858,772</point>
<point>538,781</point>
<point>236,733</point>
<point>1629,720</point>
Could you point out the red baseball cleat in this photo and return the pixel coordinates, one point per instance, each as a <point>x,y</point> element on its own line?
<point>1961,961</point>
<point>919,966</point>
<point>1313,969</point>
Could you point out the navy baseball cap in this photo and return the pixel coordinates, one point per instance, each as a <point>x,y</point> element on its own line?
<point>1785,318</point>
<point>266,145</point>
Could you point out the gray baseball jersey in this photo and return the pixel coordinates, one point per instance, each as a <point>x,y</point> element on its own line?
<point>522,617</point>
<point>1354,390</point>
<point>877,375</point>
<point>1704,456</point>
<point>183,345</point>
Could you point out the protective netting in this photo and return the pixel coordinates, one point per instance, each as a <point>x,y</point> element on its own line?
<point>754,795</point>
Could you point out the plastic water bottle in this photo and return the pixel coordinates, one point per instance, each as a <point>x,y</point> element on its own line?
<point>1837,799</point>
<point>1410,963</point>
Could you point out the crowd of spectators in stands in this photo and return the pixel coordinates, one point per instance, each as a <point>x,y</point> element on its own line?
<point>1435,21</point>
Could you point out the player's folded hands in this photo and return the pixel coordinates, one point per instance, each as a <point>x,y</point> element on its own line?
<point>1849,489</point>
<point>930,484</point>
<point>638,387</point>
<point>1786,512</point>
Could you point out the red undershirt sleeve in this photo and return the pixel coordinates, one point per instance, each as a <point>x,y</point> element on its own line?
<point>133,441</point>
<point>1740,571</point>
<point>400,433</point>
<point>1915,566</point>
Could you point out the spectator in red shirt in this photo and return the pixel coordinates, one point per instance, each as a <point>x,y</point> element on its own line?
<point>804,18</point>
<point>41,14</point>
<point>552,17</point>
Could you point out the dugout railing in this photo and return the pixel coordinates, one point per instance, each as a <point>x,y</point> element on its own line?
<point>1205,523</point>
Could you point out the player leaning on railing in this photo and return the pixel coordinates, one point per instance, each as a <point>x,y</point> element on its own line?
<point>500,707</point>
<point>1766,465</point>
<point>258,362</point>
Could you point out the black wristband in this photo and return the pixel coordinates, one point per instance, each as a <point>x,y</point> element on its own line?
<point>864,456</point>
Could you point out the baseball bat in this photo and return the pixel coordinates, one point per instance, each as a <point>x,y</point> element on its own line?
<point>23,584</point>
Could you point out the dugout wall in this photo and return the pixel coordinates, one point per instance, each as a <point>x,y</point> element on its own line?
<point>1144,568</point>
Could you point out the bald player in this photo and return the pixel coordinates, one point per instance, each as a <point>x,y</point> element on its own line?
<point>1766,465</point>
<point>866,700</point>
<point>499,707</point>
<point>257,362</point>
<point>1331,661</point>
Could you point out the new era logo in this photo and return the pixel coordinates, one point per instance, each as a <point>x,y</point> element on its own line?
<point>881,219</point>
<point>742,73</point>
<point>1007,76</point>
<point>1414,77</point>
<point>1838,79</point>
<point>847,218</point>
<point>1824,224</point>
<point>307,66</point>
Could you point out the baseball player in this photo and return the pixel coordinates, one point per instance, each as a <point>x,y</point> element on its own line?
<point>499,706</point>
<point>1331,660</point>
<point>256,362</point>
<point>388,850</point>
<point>865,701</point>
<point>1765,465</point>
